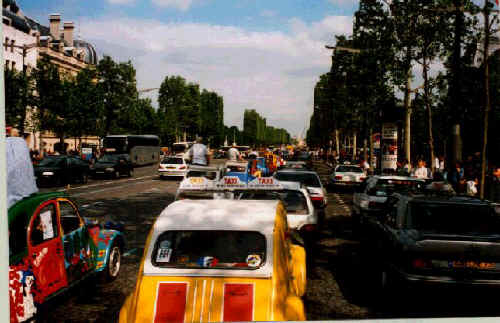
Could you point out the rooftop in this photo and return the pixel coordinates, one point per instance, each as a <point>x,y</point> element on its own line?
<point>218,215</point>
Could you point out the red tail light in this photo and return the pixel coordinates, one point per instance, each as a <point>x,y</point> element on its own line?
<point>182,167</point>
<point>338,177</point>
<point>309,227</point>
<point>420,263</point>
<point>317,198</point>
<point>362,178</point>
<point>374,205</point>
<point>162,167</point>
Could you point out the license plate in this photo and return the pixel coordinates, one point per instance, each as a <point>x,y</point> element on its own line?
<point>170,167</point>
<point>196,180</point>
<point>99,172</point>
<point>473,265</point>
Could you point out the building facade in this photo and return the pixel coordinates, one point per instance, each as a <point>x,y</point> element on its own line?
<point>25,41</point>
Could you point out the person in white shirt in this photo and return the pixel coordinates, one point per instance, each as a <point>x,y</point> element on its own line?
<point>253,153</point>
<point>199,153</point>
<point>472,187</point>
<point>233,153</point>
<point>421,171</point>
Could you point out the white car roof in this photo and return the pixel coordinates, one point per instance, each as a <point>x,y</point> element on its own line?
<point>228,215</point>
<point>236,163</point>
<point>401,178</point>
<point>218,215</point>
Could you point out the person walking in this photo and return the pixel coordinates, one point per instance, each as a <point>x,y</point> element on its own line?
<point>199,153</point>
<point>233,154</point>
<point>421,171</point>
<point>471,186</point>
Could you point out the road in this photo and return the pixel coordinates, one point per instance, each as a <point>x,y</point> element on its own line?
<point>341,283</point>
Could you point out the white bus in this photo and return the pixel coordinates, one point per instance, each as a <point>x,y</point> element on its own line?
<point>142,149</point>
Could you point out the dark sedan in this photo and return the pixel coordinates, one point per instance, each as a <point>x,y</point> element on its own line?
<point>113,165</point>
<point>61,170</point>
<point>432,240</point>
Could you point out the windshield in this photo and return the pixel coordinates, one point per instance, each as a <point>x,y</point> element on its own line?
<point>387,187</point>
<point>117,145</point>
<point>108,159</point>
<point>172,161</point>
<point>210,250</point>
<point>179,148</point>
<point>52,162</point>
<point>308,179</point>
<point>454,219</point>
<point>348,169</point>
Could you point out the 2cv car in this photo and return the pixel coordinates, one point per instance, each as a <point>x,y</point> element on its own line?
<point>219,260</point>
<point>52,248</point>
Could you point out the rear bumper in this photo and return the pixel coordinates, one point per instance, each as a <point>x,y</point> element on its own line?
<point>433,280</point>
<point>171,172</point>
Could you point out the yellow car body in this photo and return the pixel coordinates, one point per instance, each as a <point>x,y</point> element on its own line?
<point>272,292</point>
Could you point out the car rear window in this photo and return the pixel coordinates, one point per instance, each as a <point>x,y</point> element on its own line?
<point>454,218</point>
<point>294,201</point>
<point>210,250</point>
<point>348,169</point>
<point>386,187</point>
<point>236,169</point>
<point>308,179</point>
<point>174,161</point>
<point>207,174</point>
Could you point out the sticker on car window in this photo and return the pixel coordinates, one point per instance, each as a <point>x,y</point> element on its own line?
<point>164,255</point>
<point>46,222</point>
<point>254,261</point>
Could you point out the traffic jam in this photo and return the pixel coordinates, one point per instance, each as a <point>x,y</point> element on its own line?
<point>238,242</point>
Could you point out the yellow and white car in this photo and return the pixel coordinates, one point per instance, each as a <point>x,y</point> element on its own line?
<point>219,260</point>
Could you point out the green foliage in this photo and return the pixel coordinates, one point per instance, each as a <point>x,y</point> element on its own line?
<point>18,96</point>
<point>256,132</point>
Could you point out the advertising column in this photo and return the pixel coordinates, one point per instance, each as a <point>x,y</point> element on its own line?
<point>389,146</point>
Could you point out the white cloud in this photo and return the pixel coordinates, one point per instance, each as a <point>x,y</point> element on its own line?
<point>182,5</point>
<point>272,72</point>
<point>341,3</point>
<point>121,1</point>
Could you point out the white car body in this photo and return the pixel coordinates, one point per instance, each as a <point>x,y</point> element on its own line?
<point>346,175</point>
<point>364,202</point>
<point>166,169</point>
<point>317,194</point>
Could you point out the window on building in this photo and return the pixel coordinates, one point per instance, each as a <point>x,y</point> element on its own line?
<point>7,64</point>
<point>12,47</point>
<point>13,65</point>
<point>6,43</point>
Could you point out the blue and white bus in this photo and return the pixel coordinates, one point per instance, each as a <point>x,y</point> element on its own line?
<point>142,149</point>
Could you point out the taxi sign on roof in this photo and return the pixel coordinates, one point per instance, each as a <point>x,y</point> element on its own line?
<point>264,183</point>
<point>196,183</point>
<point>229,183</point>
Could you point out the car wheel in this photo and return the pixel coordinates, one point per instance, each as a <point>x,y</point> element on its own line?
<point>116,174</point>
<point>114,261</point>
<point>85,178</point>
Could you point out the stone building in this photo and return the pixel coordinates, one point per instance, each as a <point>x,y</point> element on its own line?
<point>26,40</point>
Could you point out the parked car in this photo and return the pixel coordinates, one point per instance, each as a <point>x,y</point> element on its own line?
<point>434,240</point>
<point>311,180</point>
<point>222,260</point>
<point>61,170</point>
<point>113,165</point>
<point>370,197</point>
<point>51,248</point>
<point>172,166</point>
<point>347,175</point>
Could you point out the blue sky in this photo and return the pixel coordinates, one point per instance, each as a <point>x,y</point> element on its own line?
<point>258,54</point>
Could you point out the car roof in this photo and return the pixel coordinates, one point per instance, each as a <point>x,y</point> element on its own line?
<point>218,215</point>
<point>235,163</point>
<point>396,177</point>
<point>295,171</point>
<point>204,168</point>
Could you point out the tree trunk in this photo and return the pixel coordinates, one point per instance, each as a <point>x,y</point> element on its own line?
<point>365,152</point>
<point>487,107</point>
<point>407,107</point>
<point>372,166</point>
<point>337,142</point>
<point>354,144</point>
<point>429,109</point>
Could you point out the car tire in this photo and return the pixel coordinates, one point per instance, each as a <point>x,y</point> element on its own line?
<point>110,273</point>
<point>85,178</point>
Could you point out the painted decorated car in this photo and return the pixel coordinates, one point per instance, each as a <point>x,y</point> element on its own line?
<point>213,261</point>
<point>51,248</point>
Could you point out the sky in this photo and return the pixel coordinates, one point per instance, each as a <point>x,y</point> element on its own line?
<point>258,54</point>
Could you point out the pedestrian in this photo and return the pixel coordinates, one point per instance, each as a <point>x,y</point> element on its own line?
<point>199,153</point>
<point>233,154</point>
<point>365,166</point>
<point>456,175</point>
<point>421,171</point>
<point>253,153</point>
<point>494,186</point>
<point>471,186</point>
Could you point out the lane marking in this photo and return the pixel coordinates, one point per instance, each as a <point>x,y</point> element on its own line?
<point>108,189</point>
<point>130,252</point>
<point>106,183</point>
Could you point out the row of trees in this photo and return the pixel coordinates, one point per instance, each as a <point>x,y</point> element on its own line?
<point>374,72</point>
<point>256,132</point>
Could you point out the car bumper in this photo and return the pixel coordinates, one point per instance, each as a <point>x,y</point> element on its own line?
<point>298,222</point>
<point>345,183</point>
<point>171,172</point>
<point>434,280</point>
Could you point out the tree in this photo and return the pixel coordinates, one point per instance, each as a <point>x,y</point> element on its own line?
<point>18,96</point>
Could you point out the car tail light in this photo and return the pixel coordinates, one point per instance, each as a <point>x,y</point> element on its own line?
<point>362,178</point>
<point>308,228</point>
<point>338,177</point>
<point>317,198</point>
<point>182,167</point>
<point>420,263</point>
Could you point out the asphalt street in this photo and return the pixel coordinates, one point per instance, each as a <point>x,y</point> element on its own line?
<point>341,280</point>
